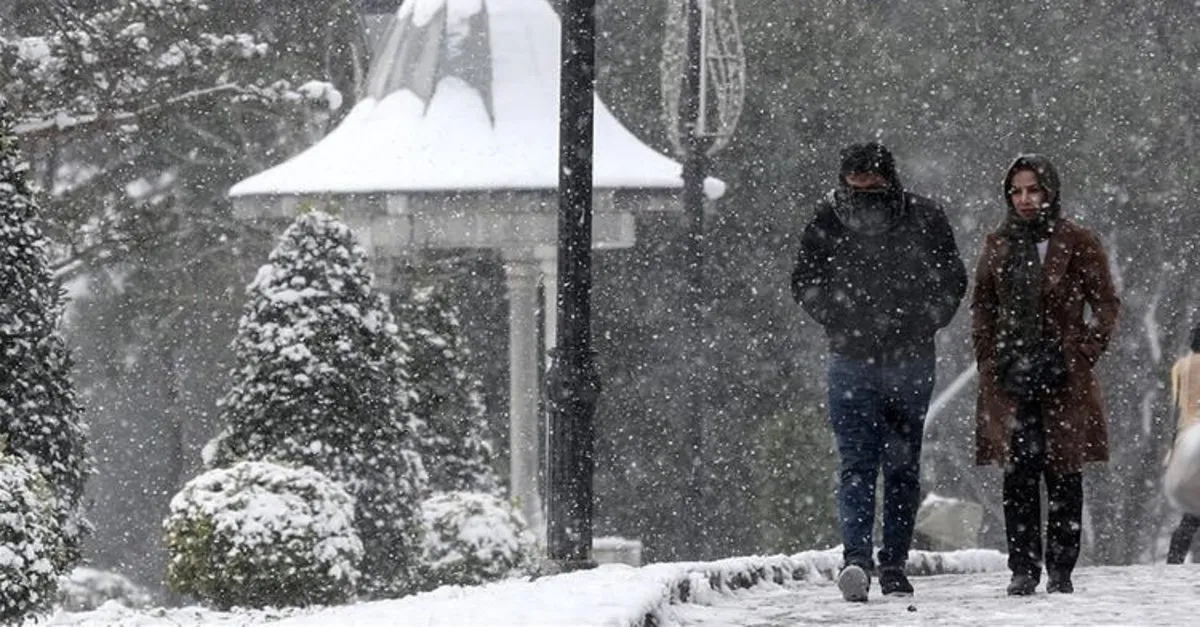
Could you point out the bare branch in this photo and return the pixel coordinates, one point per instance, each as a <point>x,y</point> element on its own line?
<point>213,139</point>
<point>61,123</point>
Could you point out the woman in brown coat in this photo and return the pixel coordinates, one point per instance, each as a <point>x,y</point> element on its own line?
<point>1040,413</point>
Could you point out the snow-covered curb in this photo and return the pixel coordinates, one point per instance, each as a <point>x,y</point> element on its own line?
<point>695,582</point>
<point>609,595</point>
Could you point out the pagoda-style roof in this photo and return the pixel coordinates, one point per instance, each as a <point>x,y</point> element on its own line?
<point>462,96</point>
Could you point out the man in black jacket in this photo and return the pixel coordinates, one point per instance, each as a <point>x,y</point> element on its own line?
<point>879,270</point>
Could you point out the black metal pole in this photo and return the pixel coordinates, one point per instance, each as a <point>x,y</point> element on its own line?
<point>694,165</point>
<point>573,381</point>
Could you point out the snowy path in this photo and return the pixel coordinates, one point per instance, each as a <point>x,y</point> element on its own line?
<point>1127,595</point>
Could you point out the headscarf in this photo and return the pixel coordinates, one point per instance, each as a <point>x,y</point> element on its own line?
<point>1022,337</point>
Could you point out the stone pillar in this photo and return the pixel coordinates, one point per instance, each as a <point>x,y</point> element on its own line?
<point>548,259</point>
<point>548,262</point>
<point>521,272</point>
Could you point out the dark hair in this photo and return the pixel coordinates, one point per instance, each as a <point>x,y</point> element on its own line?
<point>869,157</point>
<point>1195,339</point>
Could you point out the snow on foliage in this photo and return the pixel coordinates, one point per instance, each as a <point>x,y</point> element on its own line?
<point>86,589</point>
<point>259,534</point>
<point>473,538</point>
<point>30,545</point>
<point>139,109</point>
<point>322,381</point>
<point>135,54</point>
<point>447,399</point>
<point>39,415</point>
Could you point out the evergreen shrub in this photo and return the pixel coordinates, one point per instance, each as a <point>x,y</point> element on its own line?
<point>30,545</point>
<point>473,538</point>
<point>261,534</point>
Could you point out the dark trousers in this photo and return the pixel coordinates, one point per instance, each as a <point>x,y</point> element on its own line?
<point>1023,503</point>
<point>1181,540</point>
<point>878,416</point>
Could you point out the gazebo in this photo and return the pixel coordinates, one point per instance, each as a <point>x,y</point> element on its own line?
<point>455,145</point>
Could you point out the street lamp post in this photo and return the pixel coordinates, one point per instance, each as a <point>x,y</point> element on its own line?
<point>695,164</point>
<point>703,76</point>
<point>573,381</point>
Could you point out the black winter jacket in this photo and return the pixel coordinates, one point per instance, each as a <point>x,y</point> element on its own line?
<point>880,296</point>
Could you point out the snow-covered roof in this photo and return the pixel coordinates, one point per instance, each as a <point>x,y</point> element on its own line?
<point>463,95</point>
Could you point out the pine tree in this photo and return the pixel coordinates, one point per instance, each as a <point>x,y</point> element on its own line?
<point>448,400</point>
<point>39,415</point>
<point>321,380</point>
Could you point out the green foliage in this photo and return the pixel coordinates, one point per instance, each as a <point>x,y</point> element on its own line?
<point>322,381</point>
<point>138,213</point>
<point>39,416</point>
<point>795,480</point>
<point>472,538</point>
<point>261,534</point>
<point>31,542</point>
<point>447,398</point>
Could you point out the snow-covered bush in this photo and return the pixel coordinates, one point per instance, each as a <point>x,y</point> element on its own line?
<point>472,538</point>
<point>39,415</point>
<point>447,397</point>
<point>259,533</point>
<point>322,381</point>
<point>30,545</point>
<point>85,589</point>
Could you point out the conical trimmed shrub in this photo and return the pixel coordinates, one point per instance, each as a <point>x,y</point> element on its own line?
<point>322,381</point>
<point>39,415</point>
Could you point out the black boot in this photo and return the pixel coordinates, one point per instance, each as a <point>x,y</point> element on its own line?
<point>1178,549</point>
<point>1181,539</point>
<point>1059,582</point>
<point>1023,585</point>
<point>893,581</point>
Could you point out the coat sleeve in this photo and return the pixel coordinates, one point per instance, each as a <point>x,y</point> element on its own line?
<point>984,305</point>
<point>949,271</point>
<point>811,276</point>
<point>1100,293</point>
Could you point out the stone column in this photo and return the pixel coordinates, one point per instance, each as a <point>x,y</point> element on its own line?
<point>548,260</point>
<point>521,271</point>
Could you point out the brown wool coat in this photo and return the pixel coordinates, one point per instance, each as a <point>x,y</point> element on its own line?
<point>1074,273</point>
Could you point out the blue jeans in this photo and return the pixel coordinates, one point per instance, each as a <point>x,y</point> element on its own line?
<point>878,416</point>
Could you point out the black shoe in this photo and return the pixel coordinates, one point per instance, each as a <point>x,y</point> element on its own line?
<point>854,581</point>
<point>1022,585</point>
<point>1177,551</point>
<point>892,581</point>
<point>1060,582</point>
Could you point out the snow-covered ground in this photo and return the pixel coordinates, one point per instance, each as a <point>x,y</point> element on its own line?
<point>758,591</point>
<point>1110,595</point>
<point>609,595</point>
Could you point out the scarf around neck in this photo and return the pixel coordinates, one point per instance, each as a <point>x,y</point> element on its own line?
<point>869,212</point>
<point>1021,292</point>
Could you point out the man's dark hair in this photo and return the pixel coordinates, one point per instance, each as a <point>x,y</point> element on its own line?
<point>868,157</point>
<point>1195,339</point>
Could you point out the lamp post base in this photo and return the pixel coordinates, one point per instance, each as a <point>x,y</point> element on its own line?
<point>549,567</point>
